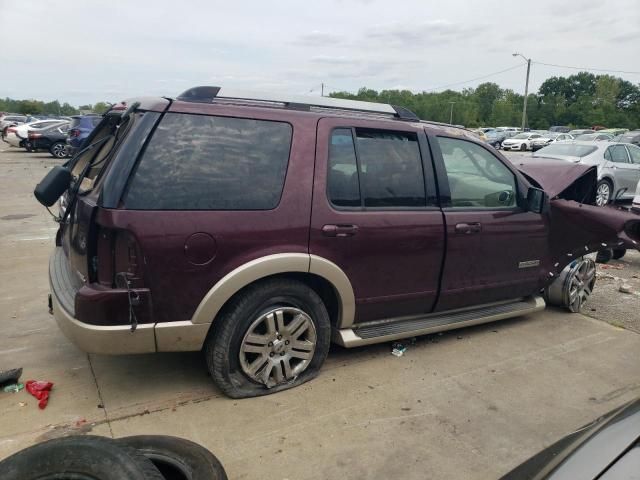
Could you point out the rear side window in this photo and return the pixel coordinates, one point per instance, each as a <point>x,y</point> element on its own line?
<point>373,168</point>
<point>617,154</point>
<point>198,162</point>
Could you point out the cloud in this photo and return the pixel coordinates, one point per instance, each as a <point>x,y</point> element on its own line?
<point>331,60</point>
<point>319,39</point>
<point>417,35</point>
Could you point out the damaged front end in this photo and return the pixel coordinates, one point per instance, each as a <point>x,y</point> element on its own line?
<point>577,227</point>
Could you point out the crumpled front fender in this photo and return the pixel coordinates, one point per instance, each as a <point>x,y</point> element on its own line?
<point>577,226</point>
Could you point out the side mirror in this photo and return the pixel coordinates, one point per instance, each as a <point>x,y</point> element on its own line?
<point>536,200</point>
<point>53,185</point>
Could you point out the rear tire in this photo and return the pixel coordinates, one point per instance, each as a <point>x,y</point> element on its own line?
<point>58,150</point>
<point>177,458</point>
<point>604,255</point>
<point>273,336</point>
<point>86,456</point>
<point>618,253</point>
<point>603,193</point>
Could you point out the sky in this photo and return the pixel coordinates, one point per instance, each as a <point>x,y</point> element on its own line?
<point>87,51</point>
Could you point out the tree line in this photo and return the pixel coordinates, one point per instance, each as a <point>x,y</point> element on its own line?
<point>580,101</point>
<point>38,107</point>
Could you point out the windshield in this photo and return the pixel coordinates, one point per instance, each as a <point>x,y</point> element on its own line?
<point>566,149</point>
<point>522,135</point>
<point>550,135</point>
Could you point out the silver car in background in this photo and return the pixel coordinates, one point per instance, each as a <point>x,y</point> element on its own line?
<point>618,165</point>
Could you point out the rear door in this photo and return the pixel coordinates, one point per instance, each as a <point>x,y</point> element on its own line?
<point>634,155</point>
<point>495,250</point>
<point>375,215</point>
<point>625,172</point>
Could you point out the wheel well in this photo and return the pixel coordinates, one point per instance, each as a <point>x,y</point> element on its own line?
<point>606,179</point>
<point>318,284</point>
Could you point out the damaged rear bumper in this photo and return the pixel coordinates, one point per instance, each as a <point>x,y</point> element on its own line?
<point>115,339</point>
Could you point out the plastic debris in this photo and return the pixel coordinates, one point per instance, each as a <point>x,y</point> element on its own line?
<point>40,389</point>
<point>10,376</point>
<point>13,387</point>
<point>22,404</point>
<point>398,349</point>
<point>626,288</point>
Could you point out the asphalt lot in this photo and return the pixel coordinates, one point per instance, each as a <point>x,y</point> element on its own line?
<point>469,404</point>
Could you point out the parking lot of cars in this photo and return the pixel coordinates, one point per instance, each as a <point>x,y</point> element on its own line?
<point>379,415</point>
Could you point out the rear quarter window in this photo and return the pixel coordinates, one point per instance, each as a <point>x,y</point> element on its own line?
<point>199,162</point>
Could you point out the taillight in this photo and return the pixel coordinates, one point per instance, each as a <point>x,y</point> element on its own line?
<point>12,129</point>
<point>74,133</point>
<point>34,135</point>
<point>117,253</point>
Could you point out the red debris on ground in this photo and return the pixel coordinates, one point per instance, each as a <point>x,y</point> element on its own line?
<point>40,389</point>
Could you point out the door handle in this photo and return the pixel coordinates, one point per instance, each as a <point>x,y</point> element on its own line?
<point>468,228</point>
<point>339,230</point>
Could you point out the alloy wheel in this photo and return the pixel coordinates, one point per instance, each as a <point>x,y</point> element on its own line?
<point>603,193</point>
<point>580,284</point>
<point>278,346</point>
<point>574,285</point>
<point>59,150</point>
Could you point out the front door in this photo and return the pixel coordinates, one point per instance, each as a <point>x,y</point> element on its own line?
<point>495,250</point>
<point>374,215</point>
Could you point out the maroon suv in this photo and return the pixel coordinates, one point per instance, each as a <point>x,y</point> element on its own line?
<point>262,229</point>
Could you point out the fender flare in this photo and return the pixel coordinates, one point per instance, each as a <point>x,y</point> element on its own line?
<point>266,266</point>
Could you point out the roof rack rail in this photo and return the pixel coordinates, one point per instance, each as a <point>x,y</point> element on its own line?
<point>207,94</point>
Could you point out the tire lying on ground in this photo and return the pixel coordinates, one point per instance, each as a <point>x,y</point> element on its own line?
<point>83,457</point>
<point>177,458</point>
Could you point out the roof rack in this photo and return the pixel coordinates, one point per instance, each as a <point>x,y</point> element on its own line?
<point>206,94</point>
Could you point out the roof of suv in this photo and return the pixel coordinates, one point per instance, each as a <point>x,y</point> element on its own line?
<point>203,98</point>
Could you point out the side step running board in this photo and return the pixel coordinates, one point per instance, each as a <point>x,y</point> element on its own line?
<point>394,329</point>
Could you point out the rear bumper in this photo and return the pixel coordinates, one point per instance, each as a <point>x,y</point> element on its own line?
<point>115,339</point>
<point>103,339</point>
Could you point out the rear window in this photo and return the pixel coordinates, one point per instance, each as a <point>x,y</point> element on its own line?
<point>567,149</point>
<point>198,162</point>
<point>74,122</point>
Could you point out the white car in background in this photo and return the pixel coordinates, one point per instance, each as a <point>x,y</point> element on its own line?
<point>16,135</point>
<point>548,138</point>
<point>521,141</point>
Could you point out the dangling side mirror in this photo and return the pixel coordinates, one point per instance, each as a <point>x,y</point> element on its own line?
<point>536,200</point>
<point>53,185</point>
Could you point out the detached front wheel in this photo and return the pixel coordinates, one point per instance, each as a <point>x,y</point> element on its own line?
<point>574,285</point>
<point>272,337</point>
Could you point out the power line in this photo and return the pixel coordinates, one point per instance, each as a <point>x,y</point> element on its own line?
<point>587,68</point>
<point>474,79</point>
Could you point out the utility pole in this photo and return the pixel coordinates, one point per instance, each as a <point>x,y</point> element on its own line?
<point>322,89</point>
<point>526,90</point>
<point>451,113</point>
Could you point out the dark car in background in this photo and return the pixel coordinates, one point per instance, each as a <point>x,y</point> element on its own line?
<point>496,137</point>
<point>79,129</point>
<point>605,449</point>
<point>53,139</point>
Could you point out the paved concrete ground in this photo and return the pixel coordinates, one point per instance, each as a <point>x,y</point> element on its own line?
<point>468,404</point>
